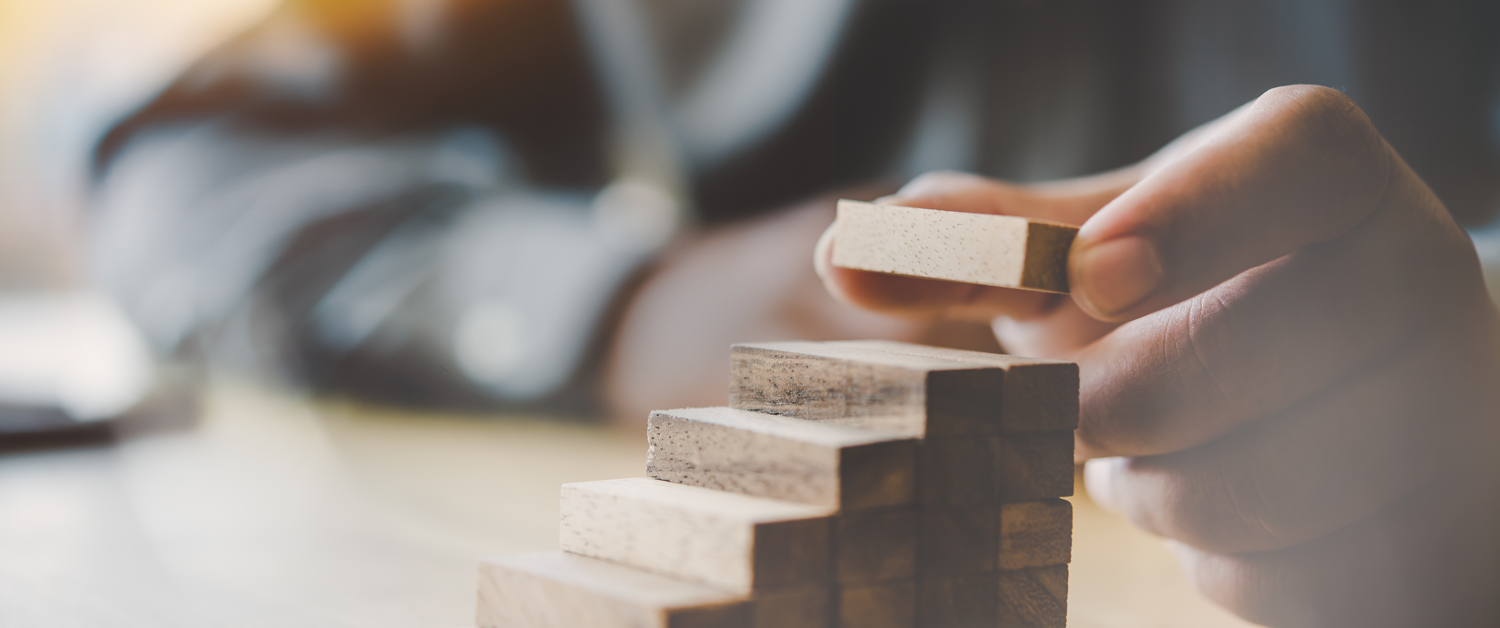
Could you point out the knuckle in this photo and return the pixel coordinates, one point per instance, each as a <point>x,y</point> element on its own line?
<point>1332,123</point>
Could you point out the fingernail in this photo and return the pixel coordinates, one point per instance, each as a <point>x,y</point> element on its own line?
<point>887,199</point>
<point>1115,275</point>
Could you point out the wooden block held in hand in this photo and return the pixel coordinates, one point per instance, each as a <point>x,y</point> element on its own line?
<point>957,541</point>
<point>1034,466</point>
<point>801,607</point>
<point>890,605</point>
<point>904,388</point>
<point>876,546</point>
<point>1036,534</point>
<point>958,601</point>
<point>1034,598</point>
<point>560,590</point>
<point>781,458</point>
<point>1005,251</point>
<point>736,542</point>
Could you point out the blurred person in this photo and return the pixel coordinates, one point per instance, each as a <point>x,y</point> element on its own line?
<point>1288,352</point>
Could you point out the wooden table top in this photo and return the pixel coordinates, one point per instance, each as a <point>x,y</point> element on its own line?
<point>278,512</point>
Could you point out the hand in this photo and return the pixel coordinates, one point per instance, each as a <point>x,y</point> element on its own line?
<point>1290,363</point>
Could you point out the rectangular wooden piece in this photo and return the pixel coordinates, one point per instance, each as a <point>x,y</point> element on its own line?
<point>561,590</point>
<point>1034,598</point>
<point>957,541</point>
<point>876,546</point>
<point>889,605</point>
<point>988,249</point>
<point>736,542</point>
<point>956,471</point>
<point>1036,534</point>
<point>800,607</point>
<point>904,388</point>
<point>958,601</point>
<point>782,458</point>
<point>1034,466</point>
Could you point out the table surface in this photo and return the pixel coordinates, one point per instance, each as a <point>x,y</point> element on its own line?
<point>276,511</point>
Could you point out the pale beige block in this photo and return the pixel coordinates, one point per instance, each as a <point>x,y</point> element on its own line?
<point>801,607</point>
<point>1034,598</point>
<point>992,250</point>
<point>561,590</point>
<point>1036,534</point>
<point>888,605</point>
<point>781,458</point>
<point>735,542</point>
<point>904,388</point>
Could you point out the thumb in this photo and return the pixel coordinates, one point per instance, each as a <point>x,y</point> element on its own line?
<point>1301,165</point>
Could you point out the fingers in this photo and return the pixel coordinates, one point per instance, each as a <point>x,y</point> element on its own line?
<point>1335,459</point>
<point>1301,165</point>
<point>1428,561</point>
<point>1265,340</point>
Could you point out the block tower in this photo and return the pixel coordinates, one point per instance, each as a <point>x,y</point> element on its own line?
<point>861,484</point>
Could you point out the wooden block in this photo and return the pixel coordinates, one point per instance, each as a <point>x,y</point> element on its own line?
<point>1036,534</point>
<point>802,607</point>
<point>1034,466</point>
<point>735,542</point>
<point>781,458</point>
<point>1005,251</point>
<point>1037,395</point>
<point>956,471</point>
<point>957,541</point>
<point>958,601</point>
<point>904,388</point>
<point>876,546</point>
<point>560,590</point>
<point>1034,598</point>
<point>890,605</point>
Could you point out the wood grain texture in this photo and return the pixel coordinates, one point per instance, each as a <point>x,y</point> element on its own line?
<point>799,607</point>
<point>731,541</point>
<point>957,541</point>
<point>904,388</point>
<point>1034,466</point>
<point>1034,598</point>
<point>1036,534</point>
<point>781,458</point>
<point>958,601</point>
<point>1005,251</point>
<point>876,546</point>
<point>957,471</point>
<point>890,605</point>
<point>560,590</point>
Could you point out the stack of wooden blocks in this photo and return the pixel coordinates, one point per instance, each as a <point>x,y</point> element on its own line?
<point>848,484</point>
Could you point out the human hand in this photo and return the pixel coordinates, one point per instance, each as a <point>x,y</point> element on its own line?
<point>1290,364</point>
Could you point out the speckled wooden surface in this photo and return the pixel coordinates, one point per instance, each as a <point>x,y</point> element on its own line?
<point>1004,251</point>
<point>560,590</point>
<point>781,458</point>
<point>904,388</point>
<point>735,542</point>
<point>1034,598</point>
<point>1036,534</point>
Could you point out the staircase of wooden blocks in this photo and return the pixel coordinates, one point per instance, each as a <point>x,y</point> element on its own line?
<point>848,484</point>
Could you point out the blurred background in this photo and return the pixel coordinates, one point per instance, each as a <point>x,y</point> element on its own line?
<point>306,305</point>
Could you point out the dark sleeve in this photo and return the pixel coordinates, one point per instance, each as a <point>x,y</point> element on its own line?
<point>381,67</point>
